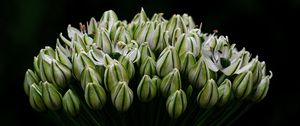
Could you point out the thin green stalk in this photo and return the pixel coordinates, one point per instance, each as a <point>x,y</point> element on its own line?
<point>228,113</point>
<point>239,115</point>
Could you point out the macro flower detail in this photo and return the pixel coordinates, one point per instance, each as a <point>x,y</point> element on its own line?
<point>179,74</point>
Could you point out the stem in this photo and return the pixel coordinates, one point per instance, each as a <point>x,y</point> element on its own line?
<point>228,113</point>
<point>239,115</point>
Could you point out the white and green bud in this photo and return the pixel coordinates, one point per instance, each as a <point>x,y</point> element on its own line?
<point>146,90</point>
<point>224,92</point>
<point>186,43</point>
<point>140,18</point>
<point>148,67</point>
<point>170,83</point>
<point>142,32</point>
<point>187,61</point>
<point>62,75</point>
<point>108,19</point>
<point>167,61</point>
<point>145,52</point>
<point>188,20</point>
<point>208,96</point>
<point>242,85</point>
<point>176,22</point>
<point>61,56</point>
<point>35,98</point>
<point>71,103</point>
<point>80,61</point>
<point>262,88</point>
<point>128,65</point>
<point>158,18</point>
<point>121,35</point>
<point>176,103</point>
<point>199,74</point>
<point>30,78</point>
<point>52,98</point>
<point>95,96</point>
<point>90,75</point>
<point>92,26</point>
<point>122,96</point>
<point>103,41</point>
<point>155,38</point>
<point>113,74</point>
<point>72,32</point>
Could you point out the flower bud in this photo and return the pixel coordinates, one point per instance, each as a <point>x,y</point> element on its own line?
<point>122,96</point>
<point>30,78</point>
<point>132,52</point>
<point>128,65</point>
<point>90,75</point>
<point>208,96</point>
<point>176,103</point>
<point>113,74</point>
<point>145,52</point>
<point>121,35</point>
<point>187,61</point>
<point>52,98</point>
<point>140,17</point>
<point>155,38</point>
<point>224,92</point>
<point>262,89</point>
<point>199,74</point>
<point>176,22</point>
<point>148,67</point>
<point>146,90</point>
<point>103,41</point>
<point>242,85</point>
<point>167,61</point>
<point>186,43</point>
<point>158,18</point>
<point>188,20</point>
<point>157,81</point>
<point>72,32</point>
<point>71,103</point>
<point>62,75</point>
<point>142,32</point>
<point>95,96</point>
<point>35,98</point>
<point>108,19</point>
<point>62,57</point>
<point>92,26</point>
<point>170,83</point>
<point>80,61</point>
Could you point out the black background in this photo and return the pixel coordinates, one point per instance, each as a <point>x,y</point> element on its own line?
<point>269,29</point>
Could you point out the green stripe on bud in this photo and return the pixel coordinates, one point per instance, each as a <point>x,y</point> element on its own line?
<point>90,75</point>
<point>170,83</point>
<point>262,89</point>
<point>176,103</point>
<point>242,85</point>
<point>52,98</point>
<point>146,90</point>
<point>128,65</point>
<point>95,96</point>
<point>148,67</point>
<point>35,98</point>
<point>224,92</point>
<point>122,96</point>
<point>167,61</point>
<point>113,74</point>
<point>80,61</point>
<point>208,96</point>
<point>62,75</point>
<point>71,103</point>
<point>145,52</point>
<point>187,61</point>
<point>30,78</point>
<point>103,41</point>
<point>199,74</point>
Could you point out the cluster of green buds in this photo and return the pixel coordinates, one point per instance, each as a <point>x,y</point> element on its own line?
<point>118,63</point>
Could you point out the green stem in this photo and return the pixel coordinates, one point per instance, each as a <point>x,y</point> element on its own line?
<point>239,115</point>
<point>228,113</point>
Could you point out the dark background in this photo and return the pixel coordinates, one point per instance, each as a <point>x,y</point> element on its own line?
<point>267,28</point>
